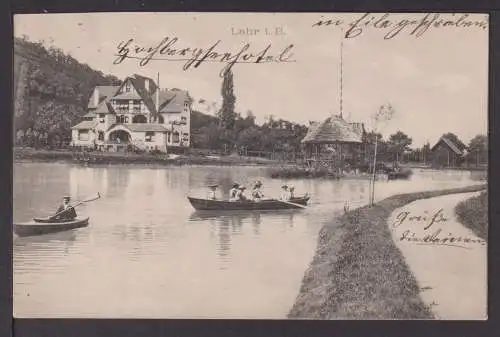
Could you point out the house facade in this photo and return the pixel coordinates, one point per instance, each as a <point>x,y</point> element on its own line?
<point>448,153</point>
<point>136,114</point>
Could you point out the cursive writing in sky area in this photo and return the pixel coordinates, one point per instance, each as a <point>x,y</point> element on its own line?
<point>436,81</point>
<point>167,50</point>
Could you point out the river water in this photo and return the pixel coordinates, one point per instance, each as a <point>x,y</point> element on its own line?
<point>147,254</point>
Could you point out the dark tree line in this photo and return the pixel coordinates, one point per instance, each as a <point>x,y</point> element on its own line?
<point>52,91</point>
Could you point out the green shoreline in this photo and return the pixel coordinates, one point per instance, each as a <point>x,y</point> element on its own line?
<point>113,158</point>
<point>358,272</point>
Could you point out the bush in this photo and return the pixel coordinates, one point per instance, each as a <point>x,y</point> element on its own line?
<point>473,214</point>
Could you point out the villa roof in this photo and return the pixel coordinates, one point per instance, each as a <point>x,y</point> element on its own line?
<point>105,92</point>
<point>334,130</point>
<point>104,107</point>
<point>85,125</point>
<point>128,95</point>
<point>90,115</point>
<point>172,101</point>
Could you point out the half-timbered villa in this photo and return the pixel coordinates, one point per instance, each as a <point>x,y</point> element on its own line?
<point>135,114</point>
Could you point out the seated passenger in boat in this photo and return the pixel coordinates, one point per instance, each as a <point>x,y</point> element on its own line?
<point>241,194</point>
<point>285,194</point>
<point>212,195</point>
<point>233,192</point>
<point>257,194</point>
<point>291,192</point>
<point>65,211</point>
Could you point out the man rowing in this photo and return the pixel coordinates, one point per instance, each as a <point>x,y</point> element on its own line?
<point>65,211</point>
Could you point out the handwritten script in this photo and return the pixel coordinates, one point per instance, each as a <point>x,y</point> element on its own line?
<point>414,25</point>
<point>433,234</point>
<point>193,57</point>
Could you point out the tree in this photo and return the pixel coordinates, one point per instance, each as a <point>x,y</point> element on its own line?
<point>426,151</point>
<point>226,114</point>
<point>478,149</point>
<point>398,143</point>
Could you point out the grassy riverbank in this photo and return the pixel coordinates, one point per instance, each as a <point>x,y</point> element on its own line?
<point>473,214</point>
<point>358,272</point>
<point>106,158</point>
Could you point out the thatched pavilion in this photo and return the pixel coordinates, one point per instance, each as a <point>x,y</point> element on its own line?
<point>334,143</point>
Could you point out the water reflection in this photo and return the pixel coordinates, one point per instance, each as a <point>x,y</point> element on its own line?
<point>156,257</point>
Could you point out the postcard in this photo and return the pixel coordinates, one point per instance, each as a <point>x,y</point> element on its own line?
<point>322,166</point>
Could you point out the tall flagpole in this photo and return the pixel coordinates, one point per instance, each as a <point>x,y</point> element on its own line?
<point>341,71</point>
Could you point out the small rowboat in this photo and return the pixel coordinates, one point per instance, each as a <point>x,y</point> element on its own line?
<point>265,204</point>
<point>41,226</point>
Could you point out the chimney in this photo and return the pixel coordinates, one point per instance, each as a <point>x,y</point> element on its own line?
<point>96,96</point>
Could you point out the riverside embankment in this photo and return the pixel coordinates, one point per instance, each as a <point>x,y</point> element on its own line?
<point>358,272</point>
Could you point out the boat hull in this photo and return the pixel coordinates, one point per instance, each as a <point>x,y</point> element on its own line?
<point>40,228</point>
<point>222,205</point>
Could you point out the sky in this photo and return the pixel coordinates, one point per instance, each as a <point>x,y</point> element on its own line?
<point>436,81</point>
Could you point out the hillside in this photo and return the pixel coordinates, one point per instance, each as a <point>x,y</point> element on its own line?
<point>51,88</point>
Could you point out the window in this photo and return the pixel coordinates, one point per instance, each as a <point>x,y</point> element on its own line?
<point>127,87</point>
<point>83,135</point>
<point>175,137</point>
<point>169,139</point>
<point>102,118</point>
<point>150,136</point>
<point>100,136</point>
<point>161,120</point>
<point>137,106</point>
<point>184,120</point>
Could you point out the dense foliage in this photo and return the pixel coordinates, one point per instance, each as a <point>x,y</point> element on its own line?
<point>246,136</point>
<point>51,91</point>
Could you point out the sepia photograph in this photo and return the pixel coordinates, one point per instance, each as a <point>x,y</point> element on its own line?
<point>300,166</point>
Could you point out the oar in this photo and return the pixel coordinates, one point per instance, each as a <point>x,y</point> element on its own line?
<point>78,204</point>
<point>292,203</point>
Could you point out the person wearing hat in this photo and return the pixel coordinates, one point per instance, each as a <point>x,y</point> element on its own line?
<point>291,190</point>
<point>65,211</point>
<point>285,195</point>
<point>241,193</point>
<point>256,192</point>
<point>233,192</point>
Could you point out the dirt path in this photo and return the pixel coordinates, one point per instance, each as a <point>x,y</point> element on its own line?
<point>447,259</point>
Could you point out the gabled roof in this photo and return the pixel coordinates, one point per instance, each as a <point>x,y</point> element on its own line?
<point>454,147</point>
<point>105,92</point>
<point>104,108</point>
<point>142,127</point>
<point>85,125</point>
<point>172,101</point>
<point>334,130</point>
<point>139,83</point>
<point>90,115</point>
<point>128,95</point>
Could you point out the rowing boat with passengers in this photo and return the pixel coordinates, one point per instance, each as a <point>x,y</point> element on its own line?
<point>238,202</point>
<point>248,205</point>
